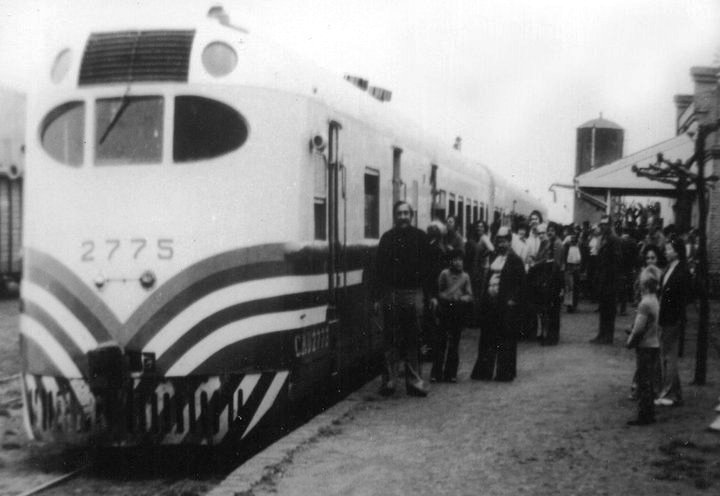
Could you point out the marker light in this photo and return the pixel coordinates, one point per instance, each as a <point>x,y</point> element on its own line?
<point>147,279</point>
<point>219,58</point>
<point>60,66</point>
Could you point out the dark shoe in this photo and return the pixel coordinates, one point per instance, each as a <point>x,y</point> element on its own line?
<point>570,309</point>
<point>416,390</point>
<point>641,422</point>
<point>452,380</point>
<point>504,379</point>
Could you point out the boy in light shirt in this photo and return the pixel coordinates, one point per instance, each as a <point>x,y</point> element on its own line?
<point>455,295</point>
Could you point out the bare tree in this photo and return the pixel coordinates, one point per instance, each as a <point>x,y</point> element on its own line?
<point>680,175</point>
<point>677,174</point>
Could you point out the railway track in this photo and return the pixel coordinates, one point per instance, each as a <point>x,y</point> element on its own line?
<point>58,481</point>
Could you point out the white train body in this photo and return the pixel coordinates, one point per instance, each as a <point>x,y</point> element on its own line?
<point>198,247</point>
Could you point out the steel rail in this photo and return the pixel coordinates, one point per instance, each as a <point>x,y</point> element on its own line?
<point>53,482</point>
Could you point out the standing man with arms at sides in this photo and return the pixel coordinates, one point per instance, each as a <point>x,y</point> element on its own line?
<point>609,257</point>
<point>403,265</point>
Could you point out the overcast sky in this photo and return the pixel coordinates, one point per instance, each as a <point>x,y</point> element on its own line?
<point>514,78</point>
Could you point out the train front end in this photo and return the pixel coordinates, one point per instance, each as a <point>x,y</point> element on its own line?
<point>161,204</point>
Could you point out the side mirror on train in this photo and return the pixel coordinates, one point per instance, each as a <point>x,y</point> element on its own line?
<point>317,144</point>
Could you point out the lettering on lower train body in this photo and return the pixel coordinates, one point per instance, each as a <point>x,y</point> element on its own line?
<point>312,340</point>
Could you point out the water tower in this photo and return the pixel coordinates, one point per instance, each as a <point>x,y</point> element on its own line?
<point>599,142</point>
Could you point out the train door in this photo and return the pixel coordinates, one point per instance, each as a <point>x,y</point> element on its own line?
<point>398,185</point>
<point>337,242</point>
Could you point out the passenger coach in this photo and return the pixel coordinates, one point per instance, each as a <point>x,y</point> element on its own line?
<point>201,212</point>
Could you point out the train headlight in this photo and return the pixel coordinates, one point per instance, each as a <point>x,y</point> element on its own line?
<point>147,279</point>
<point>61,66</point>
<point>219,58</point>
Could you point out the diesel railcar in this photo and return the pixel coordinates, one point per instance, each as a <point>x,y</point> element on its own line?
<point>202,211</point>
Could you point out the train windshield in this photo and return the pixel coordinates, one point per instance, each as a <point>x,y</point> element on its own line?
<point>63,133</point>
<point>205,128</point>
<point>129,130</point>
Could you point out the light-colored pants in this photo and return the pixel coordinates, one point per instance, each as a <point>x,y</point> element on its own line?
<point>571,275</point>
<point>669,350</point>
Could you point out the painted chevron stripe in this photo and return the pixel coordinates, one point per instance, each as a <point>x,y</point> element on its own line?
<point>243,329</point>
<point>37,300</point>
<point>267,401</point>
<point>229,297</point>
<point>267,307</point>
<point>38,319</point>
<point>216,302</point>
<point>46,272</point>
<point>203,278</point>
<point>34,331</point>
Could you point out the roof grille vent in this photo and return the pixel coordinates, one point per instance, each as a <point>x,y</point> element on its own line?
<point>132,56</point>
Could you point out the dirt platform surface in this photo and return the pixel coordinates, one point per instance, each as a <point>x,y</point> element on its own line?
<point>558,429</point>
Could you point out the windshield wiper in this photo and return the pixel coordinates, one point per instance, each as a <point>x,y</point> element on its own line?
<point>115,118</point>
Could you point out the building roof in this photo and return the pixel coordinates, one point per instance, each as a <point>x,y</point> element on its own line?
<point>619,177</point>
<point>600,123</point>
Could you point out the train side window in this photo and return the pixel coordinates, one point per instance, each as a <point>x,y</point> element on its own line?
<point>129,130</point>
<point>468,217</point>
<point>320,198</point>
<point>460,225</point>
<point>451,205</point>
<point>63,133</point>
<point>372,203</point>
<point>206,128</point>
<point>475,212</point>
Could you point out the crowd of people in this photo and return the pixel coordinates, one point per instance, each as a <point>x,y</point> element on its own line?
<point>514,283</point>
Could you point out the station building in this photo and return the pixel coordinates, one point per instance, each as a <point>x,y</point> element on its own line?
<point>604,174</point>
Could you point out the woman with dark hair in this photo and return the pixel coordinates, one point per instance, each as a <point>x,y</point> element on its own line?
<point>675,286</point>
<point>504,288</point>
<point>453,239</point>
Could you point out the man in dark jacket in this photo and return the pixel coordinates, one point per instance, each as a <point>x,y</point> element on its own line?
<point>403,265</point>
<point>609,259</point>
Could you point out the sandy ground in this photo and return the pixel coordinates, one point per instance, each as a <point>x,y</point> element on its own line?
<point>558,429</point>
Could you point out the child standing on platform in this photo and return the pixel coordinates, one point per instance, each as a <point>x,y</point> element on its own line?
<point>644,338</point>
<point>455,295</point>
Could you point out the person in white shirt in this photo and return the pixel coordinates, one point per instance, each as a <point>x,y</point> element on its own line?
<point>573,261</point>
<point>533,240</point>
<point>519,243</point>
